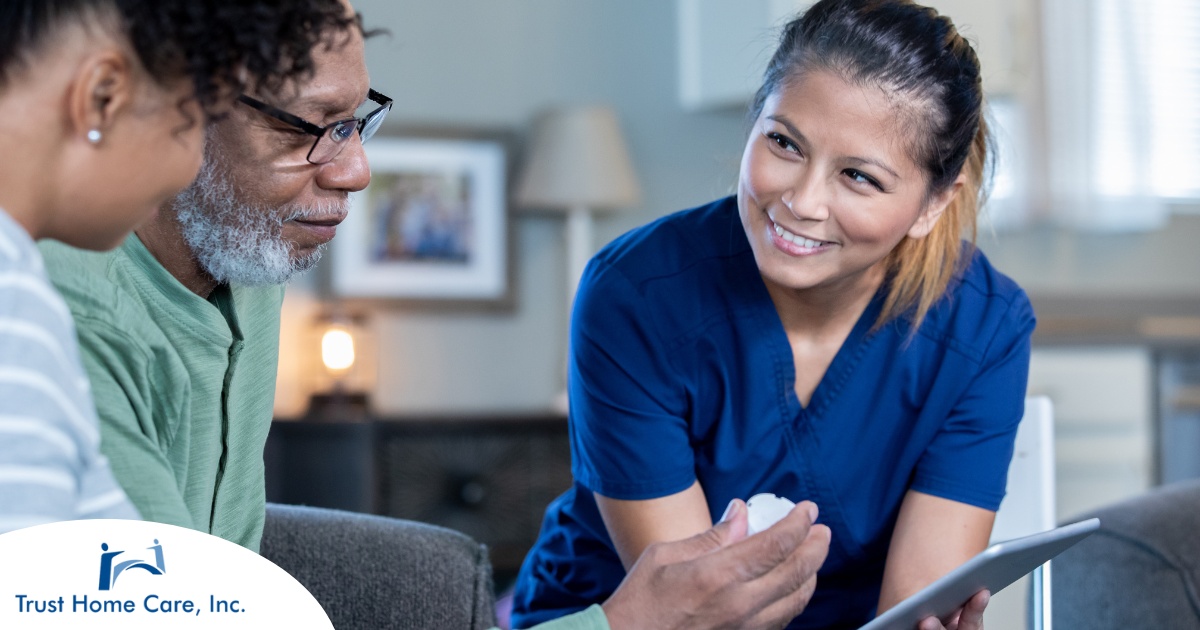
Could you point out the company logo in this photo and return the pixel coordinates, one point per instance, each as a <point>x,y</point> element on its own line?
<point>109,572</point>
<point>49,579</point>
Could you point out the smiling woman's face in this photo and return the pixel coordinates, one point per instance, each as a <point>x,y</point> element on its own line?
<point>827,186</point>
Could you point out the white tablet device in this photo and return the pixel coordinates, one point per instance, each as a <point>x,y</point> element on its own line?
<point>993,569</point>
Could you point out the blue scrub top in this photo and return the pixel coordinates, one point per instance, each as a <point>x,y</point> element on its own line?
<point>681,370</point>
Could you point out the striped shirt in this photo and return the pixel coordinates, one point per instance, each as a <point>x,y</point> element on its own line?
<point>51,468</point>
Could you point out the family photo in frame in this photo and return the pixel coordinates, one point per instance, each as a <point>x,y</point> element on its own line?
<point>431,226</point>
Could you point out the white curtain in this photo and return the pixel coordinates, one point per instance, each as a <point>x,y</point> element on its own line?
<point>1122,110</point>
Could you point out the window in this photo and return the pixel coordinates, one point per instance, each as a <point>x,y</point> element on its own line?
<point>1147,97</point>
<point>1122,110</point>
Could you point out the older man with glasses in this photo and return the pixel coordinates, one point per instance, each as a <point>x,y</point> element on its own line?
<point>179,326</point>
<point>179,331</point>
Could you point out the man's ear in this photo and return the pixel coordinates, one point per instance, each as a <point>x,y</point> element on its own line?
<point>934,209</point>
<point>101,89</point>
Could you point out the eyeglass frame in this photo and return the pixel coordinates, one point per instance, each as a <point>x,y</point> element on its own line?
<point>385,105</point>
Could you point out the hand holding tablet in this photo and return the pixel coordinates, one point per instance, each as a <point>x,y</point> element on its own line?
<point>993,569</point>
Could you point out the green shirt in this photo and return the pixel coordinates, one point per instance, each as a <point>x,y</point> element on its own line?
<point>590,618</point>
<point>184,386</point>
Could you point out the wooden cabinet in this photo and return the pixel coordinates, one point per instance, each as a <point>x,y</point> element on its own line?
<point>724,45</point>
<point>1103,415</point>
<point>490,477</point>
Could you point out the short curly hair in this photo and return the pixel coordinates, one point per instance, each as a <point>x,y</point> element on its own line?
<point>224,46</point>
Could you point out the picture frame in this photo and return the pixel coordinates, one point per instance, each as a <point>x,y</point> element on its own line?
<point>432,227</point>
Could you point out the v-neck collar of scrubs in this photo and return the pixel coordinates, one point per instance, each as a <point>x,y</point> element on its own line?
<point>839,370</point>
<point>844,361</point>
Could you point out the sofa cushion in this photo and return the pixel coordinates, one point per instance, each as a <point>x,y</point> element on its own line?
<point>1141,570</point>
<point>374,572</point>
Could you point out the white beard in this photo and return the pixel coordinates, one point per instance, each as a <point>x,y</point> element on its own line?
<point>237,242</point>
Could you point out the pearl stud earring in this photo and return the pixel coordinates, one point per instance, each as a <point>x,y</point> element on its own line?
<point>94,136</point>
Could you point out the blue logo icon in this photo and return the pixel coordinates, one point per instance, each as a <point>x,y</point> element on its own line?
<point>109,573</point>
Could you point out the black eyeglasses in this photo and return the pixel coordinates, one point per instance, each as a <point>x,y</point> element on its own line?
<point>332,137</point>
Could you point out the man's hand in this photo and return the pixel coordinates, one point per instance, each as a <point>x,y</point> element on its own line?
<point>722,579</point>
<point>969,617</point>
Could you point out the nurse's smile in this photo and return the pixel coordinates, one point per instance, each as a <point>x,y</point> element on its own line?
<point>794,244</point>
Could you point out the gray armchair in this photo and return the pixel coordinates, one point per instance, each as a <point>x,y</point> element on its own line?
<point>378,573</point>
<point>1141,570</point>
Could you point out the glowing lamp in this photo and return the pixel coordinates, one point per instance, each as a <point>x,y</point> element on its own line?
<point>345,375</point>
<point>337,350</point>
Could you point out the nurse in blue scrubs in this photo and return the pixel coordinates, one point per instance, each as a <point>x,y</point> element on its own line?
<point>825,335</point>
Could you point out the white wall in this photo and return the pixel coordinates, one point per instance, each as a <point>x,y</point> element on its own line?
<point>479,64</point>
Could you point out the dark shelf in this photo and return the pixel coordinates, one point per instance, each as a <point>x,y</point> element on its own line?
<point>490,477</point>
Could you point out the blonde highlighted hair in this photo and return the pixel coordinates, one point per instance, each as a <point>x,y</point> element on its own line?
<point>920,269</point>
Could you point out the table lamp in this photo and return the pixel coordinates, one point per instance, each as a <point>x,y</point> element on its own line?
<point>577,164</point>
<point>344,378</point>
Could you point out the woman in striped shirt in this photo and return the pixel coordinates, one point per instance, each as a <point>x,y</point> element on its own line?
<point>103,105</point>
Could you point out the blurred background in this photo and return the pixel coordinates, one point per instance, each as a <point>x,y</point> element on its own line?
<point>443,404</point>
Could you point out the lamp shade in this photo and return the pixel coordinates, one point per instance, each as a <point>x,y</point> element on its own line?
<point>577,158</point>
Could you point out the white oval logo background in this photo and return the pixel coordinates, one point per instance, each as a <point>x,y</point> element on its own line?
<point>136,574</point>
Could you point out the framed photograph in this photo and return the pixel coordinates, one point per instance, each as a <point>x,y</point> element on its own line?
<point>431,226</point>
